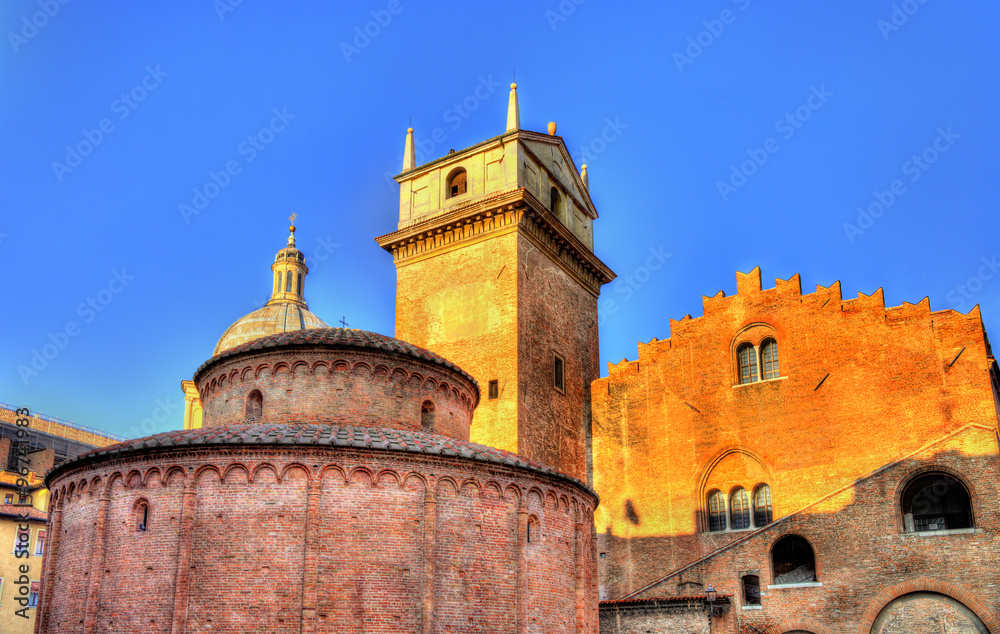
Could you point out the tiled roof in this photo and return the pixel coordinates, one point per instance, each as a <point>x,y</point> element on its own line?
<point>719,598</point>
<point>15,510</point>
<point>316,435</point>
<point>338,338</point>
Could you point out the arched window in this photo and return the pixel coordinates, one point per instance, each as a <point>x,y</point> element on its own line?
<point>457,183</point>
<point>792,561</point>
<point>746,358</point>
<point>762,514</point>
<point>299,280</point>
<point>255,405</point>
<point>716,511</point>
<point>769,357</point>
<point>142,516</point>
<point>427,416</point>
<point>555,203</point>
<point>288,282</point>
<point>278,289</point>
<point>936,502</point>
<point>739,509</point>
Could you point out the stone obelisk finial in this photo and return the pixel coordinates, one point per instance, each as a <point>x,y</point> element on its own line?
<point>409,153</point>
<point>513,117</point>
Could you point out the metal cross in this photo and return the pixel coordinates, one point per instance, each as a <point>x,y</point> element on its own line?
<point>293,217</point>
<point>343,321</point>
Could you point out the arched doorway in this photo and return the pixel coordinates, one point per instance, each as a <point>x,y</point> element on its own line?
<point>927,613</point>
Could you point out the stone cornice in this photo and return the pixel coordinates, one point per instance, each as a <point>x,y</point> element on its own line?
<point>514,210</point>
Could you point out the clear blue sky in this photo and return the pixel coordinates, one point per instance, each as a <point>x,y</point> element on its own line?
<point>180,86</point>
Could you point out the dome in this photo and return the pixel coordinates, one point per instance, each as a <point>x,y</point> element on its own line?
<point>263,322</point>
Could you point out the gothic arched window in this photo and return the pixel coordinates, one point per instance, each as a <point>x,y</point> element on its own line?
<point>936,502</point>
<point>762,514</point>
<point>255,405</point>
<point>716,511</point>
<point>769,357</point>
<point>739,509</point>
<point>746,359</point>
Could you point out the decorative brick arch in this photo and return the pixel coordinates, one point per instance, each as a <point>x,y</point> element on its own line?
<point>886,596</point>
<point>793,626</point>
<point>701,484</point>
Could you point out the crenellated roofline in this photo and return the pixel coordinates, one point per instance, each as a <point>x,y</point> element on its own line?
<point>749,288</point>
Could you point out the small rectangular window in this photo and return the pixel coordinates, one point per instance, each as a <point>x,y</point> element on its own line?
<point>558,373</point>
<point>40,543</point>
<point>33,597</point>
<point>22,540</point>
<point>751,590</point>
<point>494,390</point>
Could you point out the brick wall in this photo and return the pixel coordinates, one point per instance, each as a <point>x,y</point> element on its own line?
<point>861,385</point>
<point>271,539</point>
<point>660,619</point>
<point>557,315</point>
<point>864,558</point>
<point>337,386</point>
<point>462,304</point>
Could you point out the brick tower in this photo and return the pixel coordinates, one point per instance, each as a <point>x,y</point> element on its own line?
<point>496,271</point>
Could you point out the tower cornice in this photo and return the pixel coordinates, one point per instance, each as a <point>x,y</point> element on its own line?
<point>503,212</point>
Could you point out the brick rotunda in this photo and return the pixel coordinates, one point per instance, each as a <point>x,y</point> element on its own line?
<point>331,487</point>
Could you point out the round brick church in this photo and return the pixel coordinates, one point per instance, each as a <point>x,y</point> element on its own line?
<point>332,487</point>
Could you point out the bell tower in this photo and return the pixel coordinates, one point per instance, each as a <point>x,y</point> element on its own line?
<point>496,272</point>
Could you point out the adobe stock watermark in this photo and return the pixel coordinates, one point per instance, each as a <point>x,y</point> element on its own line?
<point>88,311</point>
<point>154,423</point>
<point>123,107</point>
<point>963,293</point>
<point>455,115</point>
<point>788,125</point>
<point>588,152</point>
<point>254,144</point>
<point>222,7</point>
<point>563,10</point>
<point>363,36</point>
<point>31,27</point>
<point>899,16</point>
<point>627,285</point>
<point>703,39</point>
<point>914,167</point>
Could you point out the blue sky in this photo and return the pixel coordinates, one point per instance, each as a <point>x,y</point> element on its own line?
<point>725,134</point>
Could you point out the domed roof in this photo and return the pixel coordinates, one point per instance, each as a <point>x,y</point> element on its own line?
<point>264,322</point>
